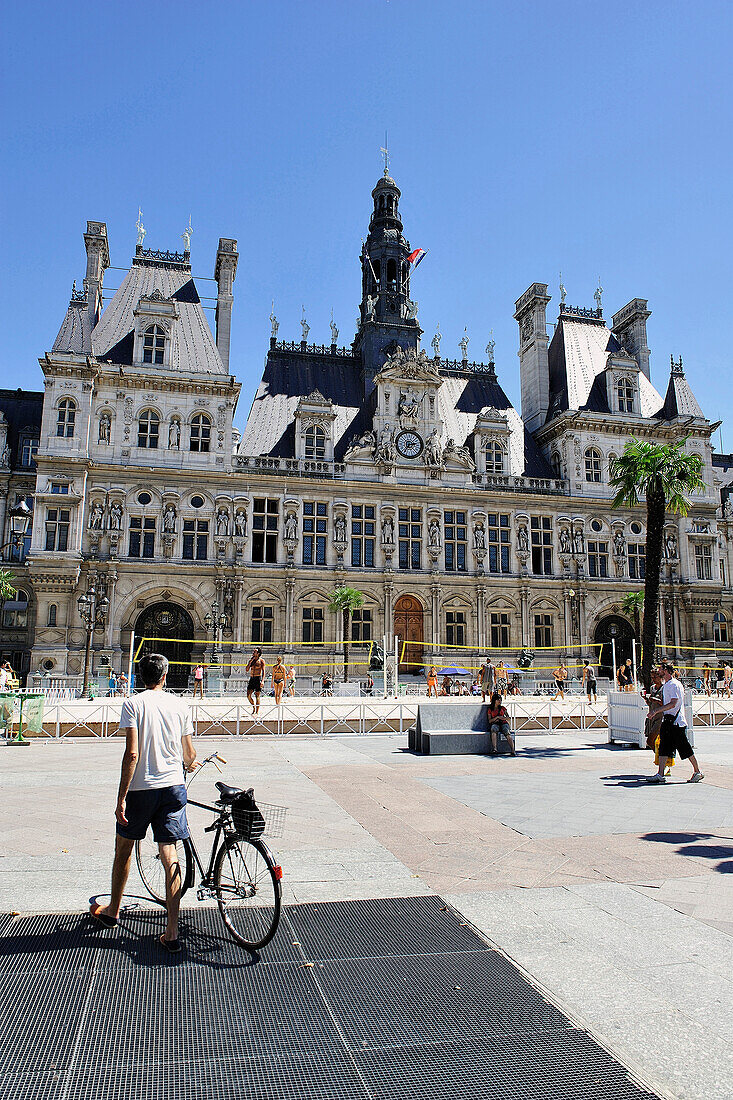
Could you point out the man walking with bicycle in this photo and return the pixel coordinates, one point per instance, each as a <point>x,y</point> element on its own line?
<point>159,746</point>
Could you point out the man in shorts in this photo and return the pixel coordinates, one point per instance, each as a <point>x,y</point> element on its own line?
<point>486,678</point>
<point>256,669</point>
<point>673,731</point>
<point>589,681</point>
<point>158,746</point>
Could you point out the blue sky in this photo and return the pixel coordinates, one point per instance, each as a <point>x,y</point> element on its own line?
<point>527,138</point>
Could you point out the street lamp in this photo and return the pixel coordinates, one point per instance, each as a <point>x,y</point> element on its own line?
<point>20,517</point>
<point>613,631</point>
<point>215,621</point>
<point>92,609</point>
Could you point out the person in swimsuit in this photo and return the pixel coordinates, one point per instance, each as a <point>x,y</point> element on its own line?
<point>433,681</point>
<point>291,680</point>
<point>256,669</point>
<point>279,676</point>
<point>198,681</point>
<point>500,675</point>
<point>561,675</point>
<point>589,680</point>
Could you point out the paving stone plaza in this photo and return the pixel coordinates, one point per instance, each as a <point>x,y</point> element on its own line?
<point>564,929</point>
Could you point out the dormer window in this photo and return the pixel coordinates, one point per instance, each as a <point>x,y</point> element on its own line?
<point>314,442</point>
<point>593,464</point>
<point>625,395</point>
<point>494,458</point>
<point>153,344</point>
<point>66,418</point>
<point>201,433</point>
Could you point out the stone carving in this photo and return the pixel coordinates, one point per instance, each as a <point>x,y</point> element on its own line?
<point>578,542</point>
<point>169,519</point>
<point>459,454</point>
<point>490,348</point>
<point>274,323</point>
<point>434,535</point>
<point>411,310</point>
<point>599,295</point>
<point>563,291</point>
<point>370,305</point>
<point>186,236</point>
<point>115,517</point>
<point>96,516</point>
<point>523,539</point>
<point>222,523</point>
<point>435,342</point>
<point>291,526</point>
<point>670,546</point>
<point>240,524</point>
<point>479,537</point>
<point>463,344</point>
<point>174,434</point>
<point>619,544</point>
<point>619,565</point>
<point>105,428</point>
<point>408,410</point>
<point>305,326</point>
<point>388,531</point>
<point>434,449</point>
<point>334,330</point>
<point>5,456</point>
<point>727,509</point>
<point>565,547</point>
<point>367,441</point>
<point>141,230</point>
<point>340,529</point>
<point>384,452</point>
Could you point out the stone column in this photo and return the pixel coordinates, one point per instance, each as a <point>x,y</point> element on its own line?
<point>435,616</point>
<point>388,608</point>
<point>481,616</point>
<point>568,620</point>
<point>289,607</point>
<point>238,610</point>
<point>111,579</point>
<point>524,595</point>
<point>582,621</point>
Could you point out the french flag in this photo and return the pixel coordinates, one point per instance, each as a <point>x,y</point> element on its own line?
<point>415,257</point>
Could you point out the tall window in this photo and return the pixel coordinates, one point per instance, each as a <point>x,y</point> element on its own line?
<point>720,627</point>
<point>637,560</point>
<point>148,429</point>
<point>625,395</point>
<point>410,540</point>
<point>153,344</point>
<point>704,563</point>
<point>494,458</point>
<point>723,574</point>
<point>201,433</point>
<point>455,627</point>
<point>597,559</point>
<point>456,541</point>
<point>541,528</point>
<point>363,535</point>
<point>499,624</point>
<point>315,525</point>
<point>498,534</point>
<point>312,624</point>
<point>315,442</point>
<point>361,625</point>
<point>66,418</point>
<point>593,465</point>
<point>262,619</point>
<point>142,537</point>
<point>52,613</point>
<point>543,630</point>
<point>15,611</point>
<point>195,539</point>
<point>265,513</point>
<point>28,450</point>
<point>58,521</point>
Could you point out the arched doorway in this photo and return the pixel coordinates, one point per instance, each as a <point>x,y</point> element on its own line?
<point>623,637</point>
<point>172,627</point>
<point>408,627</point>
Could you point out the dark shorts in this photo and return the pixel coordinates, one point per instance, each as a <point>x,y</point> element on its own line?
<point>590,686</point>
<point>162,807</point>
<point>560,685</point>
<point>255,684</point>
<point>673,738</point>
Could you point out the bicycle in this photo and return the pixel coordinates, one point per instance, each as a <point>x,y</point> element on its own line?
<point>242,874</point>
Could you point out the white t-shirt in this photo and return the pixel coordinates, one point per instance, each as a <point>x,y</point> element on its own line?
<point>4,678</point>
<point>161,721</point>
<point>673,690</point>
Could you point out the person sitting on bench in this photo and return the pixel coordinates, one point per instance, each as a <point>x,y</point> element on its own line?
<point>497,719</point>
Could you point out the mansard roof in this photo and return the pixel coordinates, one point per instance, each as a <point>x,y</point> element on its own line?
<point>22,410</point>
<point>679,399</point>
<point>75,334</point>
<point>578,356</point>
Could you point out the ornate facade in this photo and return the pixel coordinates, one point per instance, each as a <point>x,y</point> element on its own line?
<point>404,474</point>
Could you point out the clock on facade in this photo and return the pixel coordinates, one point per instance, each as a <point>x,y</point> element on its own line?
<point>409,444</point>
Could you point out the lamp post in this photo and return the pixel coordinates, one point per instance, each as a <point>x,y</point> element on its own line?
<point>613,631</point>
<point>92,609</point>
<point>215,621</point>
<point>20,517</point>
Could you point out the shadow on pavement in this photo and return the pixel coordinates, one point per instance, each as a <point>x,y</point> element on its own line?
<point>687,845</point>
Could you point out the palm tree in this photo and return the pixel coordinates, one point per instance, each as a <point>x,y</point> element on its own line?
<point>7,586</point>
<point>663,474</point>
<point>632,604</point>
<point>345,600</point>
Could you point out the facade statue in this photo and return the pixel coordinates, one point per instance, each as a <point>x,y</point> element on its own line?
<point>169,519</point>
<point>96,517</point>
<point>578,542</point>
<point>388,531</point>
<point>408,410</point>
<point>434,534</point>
<point>334,330</point>
<point>599,295</point>
<point>370,305</point>
<point>340,529</point>
<point>434,449</point>
<point>411,310</point>
<point>274,324</point>
<point>384,452</point>
<point>115,517</point>
<point>5,457</point>
<point>141,230</point>
<point>291,526</point>
<point>174,434</point>
<point>463,345</point>
<point>479,537</point>
<point>186,236</point>
<point>305,326</point>
<point>563,291</point>
<point>222,523</point>
<point>435,342</point>
<point>459,454</point>
<point>565,547</point>
<point>523,539</point>
<point>240,524</point>
<point>619,544</point>
<point>670,546</point>
<point>490,349</point>
<point>105,426</point>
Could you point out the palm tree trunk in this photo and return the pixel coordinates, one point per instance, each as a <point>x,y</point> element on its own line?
<point>347,625</point>
<point>655,511</point>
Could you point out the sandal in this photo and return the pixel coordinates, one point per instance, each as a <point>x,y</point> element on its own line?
<point>95,911</point>
<point>173,947</point>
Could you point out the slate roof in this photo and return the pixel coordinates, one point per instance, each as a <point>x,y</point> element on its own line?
<point>679,399</point>
<point>288,376</point>
<point>75,334</point>
<point>577,357</point>
<point>22,410</point>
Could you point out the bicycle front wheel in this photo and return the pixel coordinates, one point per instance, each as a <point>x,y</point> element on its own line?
<point>152,871</point>
<point>247,883</point>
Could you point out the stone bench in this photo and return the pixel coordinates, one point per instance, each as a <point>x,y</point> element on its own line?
<point>452,729</point>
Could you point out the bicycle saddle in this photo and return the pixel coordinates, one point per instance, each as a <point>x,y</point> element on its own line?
<point>228,794</point>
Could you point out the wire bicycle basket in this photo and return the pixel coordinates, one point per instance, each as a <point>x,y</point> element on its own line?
<point>253,820</point>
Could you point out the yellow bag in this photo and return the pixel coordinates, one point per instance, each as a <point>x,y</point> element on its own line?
<point>670,759</point>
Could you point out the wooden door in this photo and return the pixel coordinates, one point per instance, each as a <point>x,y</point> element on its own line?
<point>408,626</point>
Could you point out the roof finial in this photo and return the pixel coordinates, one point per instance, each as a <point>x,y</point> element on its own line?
<point>599,295</point>
<point>676,368</point>
<point>385,153</point>
<point>140,228</point>
<point>563,291</point>
<point>273,322</point>
<point>186,236</point>
<point>463,343</point>
<point>305,326</point>
<point>435,342</point>
<point>334,330</point>
<point>490,346</point>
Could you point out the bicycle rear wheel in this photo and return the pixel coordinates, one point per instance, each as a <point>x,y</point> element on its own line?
<point>152,871</point>
<point>247,883</point>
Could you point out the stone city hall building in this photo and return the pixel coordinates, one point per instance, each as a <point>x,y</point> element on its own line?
<point>403,474</point>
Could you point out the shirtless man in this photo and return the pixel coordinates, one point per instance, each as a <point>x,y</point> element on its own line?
<point>256,669</point>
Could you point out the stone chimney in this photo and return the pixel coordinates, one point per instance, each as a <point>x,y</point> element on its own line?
<point>95,242</point>
<point>534,372</point>
<point>629,328</point>
<point>224,273</point>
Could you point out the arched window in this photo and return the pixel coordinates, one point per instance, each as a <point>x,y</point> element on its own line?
<point>315,442</point>
<point>377,271</point>
<point>556,463</point>
<point>148,429</point>
<point>15,611</point>
<point>392,274</point>
<point>625,395</point>
<point>52,612</point>
<point>494,458</point>
<point>381,204</point>
<point>201,433</point>
<point>65,419</point>
<point>390,202</point>
<point>720,627</point>
<point>153,344</point>
<point>593,462</point>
